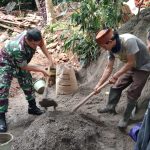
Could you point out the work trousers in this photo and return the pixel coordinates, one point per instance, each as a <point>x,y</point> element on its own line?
<point>136,79</point>
<point>7,72</point>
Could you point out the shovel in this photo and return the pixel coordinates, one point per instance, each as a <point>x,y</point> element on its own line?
<point>89,96</point>
<point>47,102</point>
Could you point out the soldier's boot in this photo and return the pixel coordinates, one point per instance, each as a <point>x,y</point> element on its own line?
<point>113,99</point>
<point>33,109</point>
<point>124,121</point>
<point>3,125</point>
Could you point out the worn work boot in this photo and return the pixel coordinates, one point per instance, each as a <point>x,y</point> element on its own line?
<point>3,125</point>
<point>107,109</point>
<point>113,99</point>
<point>124,121</point>
<point>33,109</point>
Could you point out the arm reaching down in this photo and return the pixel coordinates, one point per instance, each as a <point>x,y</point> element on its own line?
<point>128,66</point>
<point>107,72</point>
<point>35,69</point>
<point>46,53</point>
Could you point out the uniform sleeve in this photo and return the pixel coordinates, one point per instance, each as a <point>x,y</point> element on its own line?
<point>131,46</point>
<point>19,57</point>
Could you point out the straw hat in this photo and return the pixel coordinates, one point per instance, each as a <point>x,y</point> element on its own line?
<point>104,36</point>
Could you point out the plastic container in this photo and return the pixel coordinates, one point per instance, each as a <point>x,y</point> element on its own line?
<point>39,86</point>
<point>6,141</point>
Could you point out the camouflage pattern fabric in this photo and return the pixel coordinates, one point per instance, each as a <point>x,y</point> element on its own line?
<point>15,54</point>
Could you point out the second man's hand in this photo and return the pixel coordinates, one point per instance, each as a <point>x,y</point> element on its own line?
<point>96,89</point>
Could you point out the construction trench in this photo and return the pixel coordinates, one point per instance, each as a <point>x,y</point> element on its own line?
<point>84,129</point>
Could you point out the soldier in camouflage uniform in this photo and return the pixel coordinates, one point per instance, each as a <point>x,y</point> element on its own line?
<point>14,59</point>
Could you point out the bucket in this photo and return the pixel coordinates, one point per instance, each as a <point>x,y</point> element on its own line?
<point>6,141</point>
<point>39,86</point>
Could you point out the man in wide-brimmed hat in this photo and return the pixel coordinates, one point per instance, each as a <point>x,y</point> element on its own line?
<point>135,71</point>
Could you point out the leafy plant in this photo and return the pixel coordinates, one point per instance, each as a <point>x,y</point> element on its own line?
<point>83,45</point>
<point>56,2</point>
<point>90,18</point>
<point>5,2</point>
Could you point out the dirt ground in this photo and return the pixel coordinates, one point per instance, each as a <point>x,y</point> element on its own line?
<point>84,129</point>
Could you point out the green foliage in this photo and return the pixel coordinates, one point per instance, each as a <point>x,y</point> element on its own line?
<point>111,13</point>
<point>90,18</point>
<point>94,16</point>
<point>56,2</point>
<point>83,45</point>
<point>5,2</point>
<point>56,26</point>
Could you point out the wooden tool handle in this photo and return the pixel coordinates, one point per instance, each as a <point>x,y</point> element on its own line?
<point>89,96</point>
<point>46,85</point>
<point>103,85</point>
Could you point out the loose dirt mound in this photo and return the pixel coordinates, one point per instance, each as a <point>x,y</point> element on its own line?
<point>61,131</point>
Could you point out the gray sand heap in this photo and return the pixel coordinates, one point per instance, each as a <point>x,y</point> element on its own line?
<point>61,131</point>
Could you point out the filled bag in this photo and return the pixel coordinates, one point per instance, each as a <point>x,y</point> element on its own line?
<point>66,82</point>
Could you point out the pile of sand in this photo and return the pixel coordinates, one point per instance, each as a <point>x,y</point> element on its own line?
<point>61,131</point>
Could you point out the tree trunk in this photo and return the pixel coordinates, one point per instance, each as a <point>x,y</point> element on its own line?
<point>38,5</point>
<point>49,11</point>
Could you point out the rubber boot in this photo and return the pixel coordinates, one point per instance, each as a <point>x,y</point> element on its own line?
<point>3,125</point>
<point>124,121</point>
<point>33,109</point>
<point>113,99</point>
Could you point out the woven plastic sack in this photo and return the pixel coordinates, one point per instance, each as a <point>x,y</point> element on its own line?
<point>66,82</point>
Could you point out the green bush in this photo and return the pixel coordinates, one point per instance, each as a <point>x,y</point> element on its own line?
<point>90,18</point>
<point>56,2</point>
<point>5,2</point>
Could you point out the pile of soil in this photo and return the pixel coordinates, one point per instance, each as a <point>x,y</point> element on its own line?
<point>60,130</point>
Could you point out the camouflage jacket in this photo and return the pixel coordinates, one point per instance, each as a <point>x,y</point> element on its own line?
<point>16,52</point>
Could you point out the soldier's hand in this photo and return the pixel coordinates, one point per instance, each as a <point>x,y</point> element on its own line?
<point>45,73</point>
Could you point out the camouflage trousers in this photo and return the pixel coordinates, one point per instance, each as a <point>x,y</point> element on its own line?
<point>7,72</point>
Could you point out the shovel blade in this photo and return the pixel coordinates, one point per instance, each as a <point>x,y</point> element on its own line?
<point>48,103</point>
